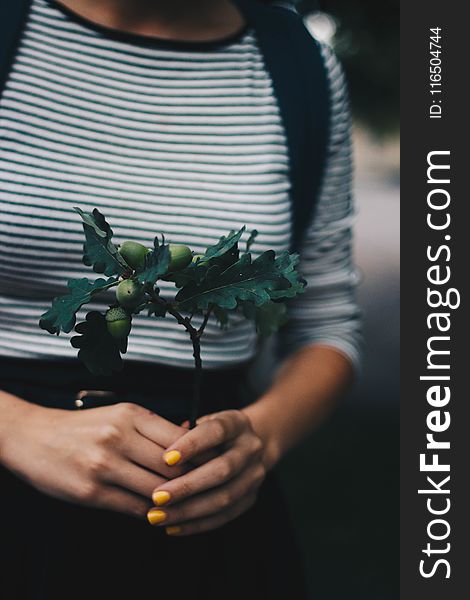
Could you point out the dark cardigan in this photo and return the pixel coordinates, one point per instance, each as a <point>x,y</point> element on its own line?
<point>300,83</point>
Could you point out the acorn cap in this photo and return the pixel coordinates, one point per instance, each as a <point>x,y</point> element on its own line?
<point>116,314</point>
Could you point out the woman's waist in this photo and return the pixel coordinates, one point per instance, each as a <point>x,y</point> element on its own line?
<point>166,390</point>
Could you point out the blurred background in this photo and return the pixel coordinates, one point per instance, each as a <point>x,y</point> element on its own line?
<point>342,483</point>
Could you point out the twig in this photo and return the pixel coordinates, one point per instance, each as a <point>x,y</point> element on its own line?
<point>195,335</point>
<point>200,331</point>
<point>194,413</point>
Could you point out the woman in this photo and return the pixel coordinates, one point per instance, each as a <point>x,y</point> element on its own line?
<point>163,115</point>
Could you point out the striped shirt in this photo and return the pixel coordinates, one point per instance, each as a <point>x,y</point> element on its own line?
<point>178,138</point>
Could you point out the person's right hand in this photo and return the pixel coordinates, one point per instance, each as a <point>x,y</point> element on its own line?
<point>108,457</point>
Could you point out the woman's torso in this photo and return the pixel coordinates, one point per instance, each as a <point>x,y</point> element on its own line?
<point>184,140</point>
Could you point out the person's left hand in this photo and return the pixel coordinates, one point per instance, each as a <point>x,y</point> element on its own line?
<point>218,490</point>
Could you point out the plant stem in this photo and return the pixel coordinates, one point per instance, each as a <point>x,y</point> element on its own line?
<point>105,287</point>
<point>137,309</point>
<point>195,335</point>
<point>197,381</point>
<point>204,323</point>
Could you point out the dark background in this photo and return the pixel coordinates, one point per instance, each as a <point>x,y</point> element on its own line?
<point>342,484</point>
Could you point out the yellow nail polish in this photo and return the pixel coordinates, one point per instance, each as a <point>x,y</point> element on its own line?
<point>173,530</point>
<point>160,498</point>
<point>156,516</point>
<point>172,457</point>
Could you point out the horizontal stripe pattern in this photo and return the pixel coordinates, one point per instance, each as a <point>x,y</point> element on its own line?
<point>184,142</point>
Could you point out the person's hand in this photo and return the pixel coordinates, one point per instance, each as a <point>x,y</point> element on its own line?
<point>218,490</point>
<point>109,457</point>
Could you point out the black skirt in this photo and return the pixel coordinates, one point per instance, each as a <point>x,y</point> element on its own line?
<point>54,549</point>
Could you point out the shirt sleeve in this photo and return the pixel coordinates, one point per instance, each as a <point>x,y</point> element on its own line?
<point>327,312</point>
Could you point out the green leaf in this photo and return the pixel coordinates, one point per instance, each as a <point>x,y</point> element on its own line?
<point>244,280</point>
<point>98,350</point>
<point>158,309</point>
<point>251,239</point>
<point>221,315</point>
<point>269,317</point>
<point>223,254</point>
<point>62,314</point>
<point>194,272</point>
<point>155,264</point>
<point>98,250</point>
<point>224,245</point>
<point>287,264</point>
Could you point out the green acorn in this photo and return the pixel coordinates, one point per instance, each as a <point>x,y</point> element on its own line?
<point>180,257</point>
<point>133,253</point>
<point>118,323</point>
<point>129,293</point>
<point>197,258</point>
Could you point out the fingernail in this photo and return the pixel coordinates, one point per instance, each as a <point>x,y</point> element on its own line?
<point>174,530</point>
<point>160,498</point>
<point>172,457</point>
<point>156,516</point>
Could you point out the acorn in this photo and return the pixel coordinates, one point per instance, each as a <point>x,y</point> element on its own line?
<point>129,293</point>
<point>197,258</point>
<point>180,257</point>
<point>133,253</point>
<point>118,323</point>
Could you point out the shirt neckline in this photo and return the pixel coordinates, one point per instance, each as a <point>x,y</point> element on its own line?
<point>147,40</point>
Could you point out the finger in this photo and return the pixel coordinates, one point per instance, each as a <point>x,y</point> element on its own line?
<point>157,429</point>
<point>113,498</point>
<point>133,478</point>
<point>162,432</point>
<point>214,501</point>
<point>216,430</point>
<point>149,455</point>
<point>204,457</point>
<point>214,521</point>
<point>209,475</point>
<point>200,420</point>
